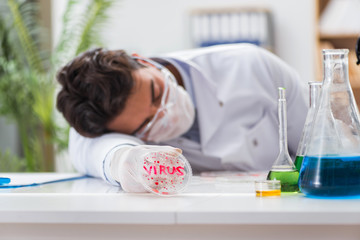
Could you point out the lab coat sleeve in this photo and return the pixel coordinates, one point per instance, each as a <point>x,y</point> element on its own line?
<point>93,156</point>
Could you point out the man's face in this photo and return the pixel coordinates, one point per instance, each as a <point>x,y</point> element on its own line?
<point>142,104</point>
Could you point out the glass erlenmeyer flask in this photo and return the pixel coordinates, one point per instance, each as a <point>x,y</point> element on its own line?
<point>314,91</point>
<point>331,166</point>
<point>284,169</point>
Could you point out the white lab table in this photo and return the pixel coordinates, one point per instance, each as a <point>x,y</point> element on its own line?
<point>213,207</point>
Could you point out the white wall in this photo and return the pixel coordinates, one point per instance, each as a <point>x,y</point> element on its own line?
<point>151,27</point>
<point>158,26</point>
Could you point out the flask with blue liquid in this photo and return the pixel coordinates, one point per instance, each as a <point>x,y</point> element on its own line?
<point>314,92</point>
<point>331,165</point>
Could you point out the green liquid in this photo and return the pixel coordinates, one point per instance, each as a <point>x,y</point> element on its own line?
<point>288,180</point>
<point>298,162</point>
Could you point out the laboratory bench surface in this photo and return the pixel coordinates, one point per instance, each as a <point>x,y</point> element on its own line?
<point>214,206</point>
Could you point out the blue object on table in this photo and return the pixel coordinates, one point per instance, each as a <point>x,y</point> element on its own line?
<point>4,180</point>
<point>6,185</point>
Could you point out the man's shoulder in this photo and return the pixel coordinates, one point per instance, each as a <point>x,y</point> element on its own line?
<point>217,49</point>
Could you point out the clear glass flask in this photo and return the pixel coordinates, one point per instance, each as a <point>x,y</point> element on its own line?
<point>314,91</point>
<point>331,166</point>
<point>284,169</point>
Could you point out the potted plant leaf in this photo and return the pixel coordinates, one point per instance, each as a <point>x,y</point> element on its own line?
<point>27,76</point>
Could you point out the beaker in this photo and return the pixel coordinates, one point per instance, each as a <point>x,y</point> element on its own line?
<point>314,91</point>
<point>331,166</point>
<point>284,169</point>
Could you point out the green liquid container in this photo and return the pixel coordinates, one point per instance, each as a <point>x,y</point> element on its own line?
<point>284,169</point>
<point>288,180</point>
<point>298,162</point>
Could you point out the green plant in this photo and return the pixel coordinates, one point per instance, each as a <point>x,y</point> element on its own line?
<point>27,75</point>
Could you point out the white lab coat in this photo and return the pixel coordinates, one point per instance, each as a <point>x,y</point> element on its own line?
<point>236,92</point>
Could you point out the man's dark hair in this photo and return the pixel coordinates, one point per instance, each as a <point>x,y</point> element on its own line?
<point>95,87</point>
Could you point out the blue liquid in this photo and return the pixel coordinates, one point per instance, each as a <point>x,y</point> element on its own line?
<point>330,176</point>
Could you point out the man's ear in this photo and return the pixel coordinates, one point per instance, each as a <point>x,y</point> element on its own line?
<point>142,60</point>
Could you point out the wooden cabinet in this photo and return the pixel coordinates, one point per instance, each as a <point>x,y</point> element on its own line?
<point>339,40</point>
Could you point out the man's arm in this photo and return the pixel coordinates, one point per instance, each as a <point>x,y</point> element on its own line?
<point>92,156</point>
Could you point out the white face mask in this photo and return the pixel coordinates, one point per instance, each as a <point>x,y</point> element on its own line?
<point>175,115</point>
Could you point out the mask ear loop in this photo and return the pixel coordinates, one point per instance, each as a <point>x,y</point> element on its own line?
<point>160,67</point>
<point>156,65</point>
<point>144,60</point>
<point>358,51</point>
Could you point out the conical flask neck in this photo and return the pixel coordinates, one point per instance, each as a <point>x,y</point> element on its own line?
<point>336,66</point>
<point>314,91</point>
